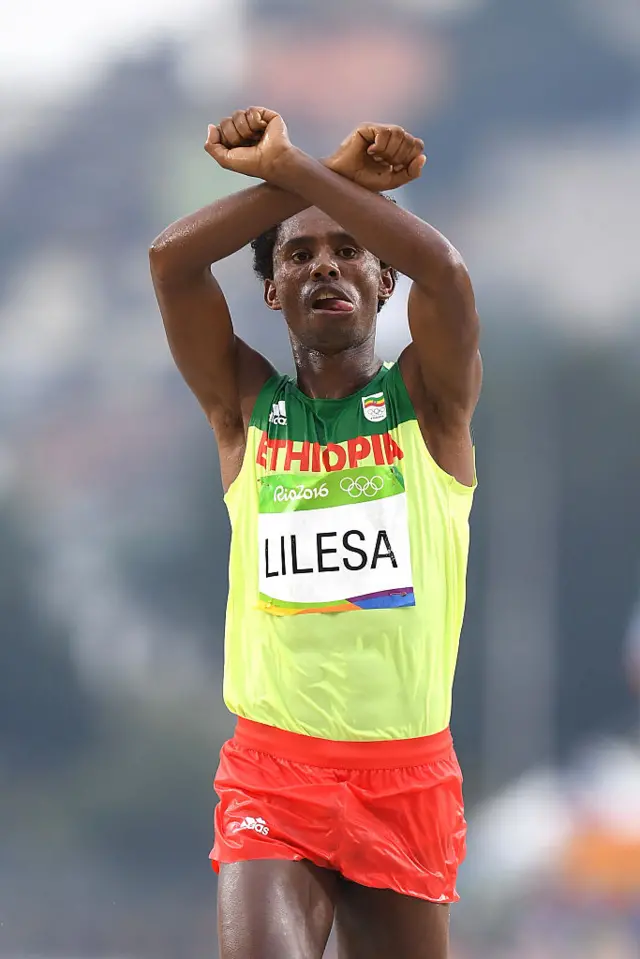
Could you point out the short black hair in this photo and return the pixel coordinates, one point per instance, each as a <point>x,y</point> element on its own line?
<point>264,245</point>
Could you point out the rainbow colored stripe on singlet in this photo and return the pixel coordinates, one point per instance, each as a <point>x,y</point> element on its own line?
<point>339,509</point>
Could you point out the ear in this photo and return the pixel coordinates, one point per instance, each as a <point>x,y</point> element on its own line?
<point>387,282</point>
<point>271,296</point>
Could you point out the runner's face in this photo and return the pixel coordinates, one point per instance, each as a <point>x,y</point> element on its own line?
<point>326,285</point>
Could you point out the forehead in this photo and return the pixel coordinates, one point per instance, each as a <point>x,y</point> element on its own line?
<point>311,222</point>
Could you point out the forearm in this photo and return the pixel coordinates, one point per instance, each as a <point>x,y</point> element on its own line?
<point>396,236</point>
<point>194,242</point>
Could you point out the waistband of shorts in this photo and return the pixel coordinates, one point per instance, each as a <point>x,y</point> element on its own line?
<point>338,754</point>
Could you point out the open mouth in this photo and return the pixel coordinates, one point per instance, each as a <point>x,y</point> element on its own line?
<point>330,302</point>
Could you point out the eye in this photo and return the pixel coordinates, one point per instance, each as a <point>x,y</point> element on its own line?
<point>300,256</point>
<point>348,252</point>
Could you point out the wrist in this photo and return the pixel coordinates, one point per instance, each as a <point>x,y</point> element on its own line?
<point>286,166</point>
<point>335,164</point>
<point>331,164</point>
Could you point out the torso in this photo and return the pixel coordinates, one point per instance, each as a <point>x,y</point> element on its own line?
<point>448,441</point>
<point>340,507</point>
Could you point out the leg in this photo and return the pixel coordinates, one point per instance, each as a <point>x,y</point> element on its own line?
<point>274,909</point>
<point>378,923</point>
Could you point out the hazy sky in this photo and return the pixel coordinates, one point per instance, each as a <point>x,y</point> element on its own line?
<point>52,43</point>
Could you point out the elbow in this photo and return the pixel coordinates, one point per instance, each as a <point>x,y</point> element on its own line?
<point>447,277</point>
<point>453,270</point>
<point>459,294</point>
<point>157,248</point>
<point>171,261</point>
<point>442,269</point>
<point>159,256</point>
<point>166,262</point>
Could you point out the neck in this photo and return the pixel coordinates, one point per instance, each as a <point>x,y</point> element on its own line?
<point>332,376</point>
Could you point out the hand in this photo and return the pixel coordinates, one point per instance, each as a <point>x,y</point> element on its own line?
<point>379,157</point>
<point>252,142</point>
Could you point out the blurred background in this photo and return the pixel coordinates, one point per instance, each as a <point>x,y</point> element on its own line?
<point>113,534</point>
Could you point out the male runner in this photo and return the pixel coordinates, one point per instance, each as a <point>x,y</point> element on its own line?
<point>349,490</point>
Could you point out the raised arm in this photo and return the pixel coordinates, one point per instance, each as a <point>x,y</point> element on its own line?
<point>224,373</point>
<point>441,367</point>
<point>442,314</point>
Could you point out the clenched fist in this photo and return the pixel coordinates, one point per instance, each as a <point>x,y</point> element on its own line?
<point>379,156</point>
<point>251,141</point>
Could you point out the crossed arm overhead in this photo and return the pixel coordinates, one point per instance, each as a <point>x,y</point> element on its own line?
<point>442,314</point>
<point>224,373</point>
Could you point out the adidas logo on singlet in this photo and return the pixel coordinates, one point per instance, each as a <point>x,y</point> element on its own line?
<point>278,414</point>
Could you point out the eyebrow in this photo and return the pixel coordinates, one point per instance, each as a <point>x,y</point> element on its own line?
<point>297,241</point>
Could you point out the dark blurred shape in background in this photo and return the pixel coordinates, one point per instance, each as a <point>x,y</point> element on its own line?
<point>113,534</point>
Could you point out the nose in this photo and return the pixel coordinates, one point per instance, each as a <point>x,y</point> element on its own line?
<point>324,268</point>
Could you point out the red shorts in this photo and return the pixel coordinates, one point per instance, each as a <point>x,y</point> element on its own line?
<point>383,814</point>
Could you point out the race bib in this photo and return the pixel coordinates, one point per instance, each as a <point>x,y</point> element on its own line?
<point>335,542</point>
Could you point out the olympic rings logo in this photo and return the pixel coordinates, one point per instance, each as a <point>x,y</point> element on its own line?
<point>361,486</point>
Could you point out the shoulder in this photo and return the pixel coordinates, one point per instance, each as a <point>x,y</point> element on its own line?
<point>269,404</point>
<point>430,406</point>
<point>445,427</point>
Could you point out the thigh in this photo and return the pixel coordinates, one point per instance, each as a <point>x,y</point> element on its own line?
<point>378,923</point>
<point>274,909</point>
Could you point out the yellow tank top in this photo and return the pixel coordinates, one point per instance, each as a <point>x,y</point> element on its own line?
<point>347,570</point>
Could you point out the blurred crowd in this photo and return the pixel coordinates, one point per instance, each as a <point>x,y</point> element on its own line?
<point>113,536</point>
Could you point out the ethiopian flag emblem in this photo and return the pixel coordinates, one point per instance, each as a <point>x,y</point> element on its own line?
<point>374,406</point>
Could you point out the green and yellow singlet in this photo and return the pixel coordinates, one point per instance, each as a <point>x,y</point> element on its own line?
<point>347,571</point>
